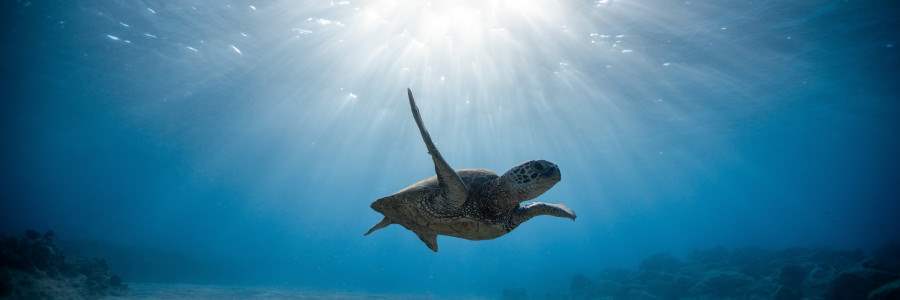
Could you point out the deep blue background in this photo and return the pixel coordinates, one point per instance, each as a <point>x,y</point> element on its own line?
<point>773,125</point>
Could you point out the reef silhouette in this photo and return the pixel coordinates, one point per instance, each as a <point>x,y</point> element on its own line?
<point>744,273</point>
<point>33,267</point>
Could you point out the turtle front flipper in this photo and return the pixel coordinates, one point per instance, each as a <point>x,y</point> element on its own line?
<point>534,209</point>
<point>451,185</point>
<point>429,238</point>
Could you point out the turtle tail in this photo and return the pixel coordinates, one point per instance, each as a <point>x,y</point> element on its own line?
<point>384,223</point>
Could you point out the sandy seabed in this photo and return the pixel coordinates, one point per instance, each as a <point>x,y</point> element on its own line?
<point>195,291</point>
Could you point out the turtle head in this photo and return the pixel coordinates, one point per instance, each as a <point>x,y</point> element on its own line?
<point>529,180</point>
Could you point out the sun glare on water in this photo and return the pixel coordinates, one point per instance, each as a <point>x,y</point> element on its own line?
<point>595,74</point>
<point>442,46</point>
<point>431,22</point>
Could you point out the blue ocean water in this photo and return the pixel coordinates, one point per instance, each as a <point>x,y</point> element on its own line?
<point>240,143</point>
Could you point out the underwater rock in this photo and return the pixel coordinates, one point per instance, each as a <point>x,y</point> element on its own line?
<point>667,285</point>
<point>723,284</point>
<point>709,258</point>
<point>755,262</point>
<point>858,283</point>
<point>610,288</point>
<point>33,267</point>
<point>885,258</point>
<point>787,293</point>
<point>887,291</point>
<point>792,275</point>
<point>751,273</point>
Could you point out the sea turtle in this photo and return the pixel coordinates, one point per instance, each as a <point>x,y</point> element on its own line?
<point>473,204</point>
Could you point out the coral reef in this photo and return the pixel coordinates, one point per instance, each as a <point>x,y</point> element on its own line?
<point>750,273</point>
<point>746,273</point>
<point>33,267</point>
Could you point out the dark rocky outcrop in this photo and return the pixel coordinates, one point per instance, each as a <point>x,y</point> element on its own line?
<point>858,283</point>
<point>887,291</point>
<point>750,273</point>
<point>33,267</point>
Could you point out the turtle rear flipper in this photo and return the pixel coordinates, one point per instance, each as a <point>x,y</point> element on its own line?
<point>429,238</point>
<point>384,223</point>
